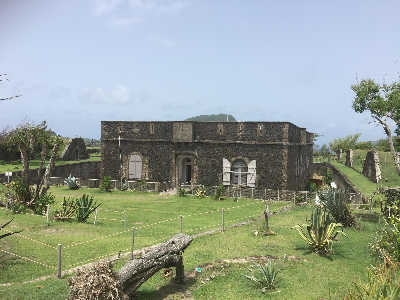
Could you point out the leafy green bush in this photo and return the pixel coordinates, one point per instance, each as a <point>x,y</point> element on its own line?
<point>181,192</point>
<point>65,210</point>
<point>85,206</point>
<point>390,205</point>
<point>220,192</point>
<point>312,187</point>
<point>40,205</point>
<point>387,240</point>
<point>106,185</point>
<point>17,191</point>
<point>265,276</point>
<point>200,191</point>
<point>337,204</point>
<point>72,182</point>
<point>321,232</point>
<point>383,284</point>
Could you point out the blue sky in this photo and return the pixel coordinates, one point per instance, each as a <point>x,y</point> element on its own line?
<point>79,62</point>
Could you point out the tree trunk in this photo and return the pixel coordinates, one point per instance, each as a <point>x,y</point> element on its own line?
<point>25,171</point>
<point>391,146</point>
<point>166,255</point>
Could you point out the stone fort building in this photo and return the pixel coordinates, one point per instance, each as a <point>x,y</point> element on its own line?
<point>276,155</point>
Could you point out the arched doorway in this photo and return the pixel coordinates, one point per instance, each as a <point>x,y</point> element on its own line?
<point>135,166</point>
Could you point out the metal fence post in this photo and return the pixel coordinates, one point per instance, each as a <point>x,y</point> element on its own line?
<point>181,223</point>
<point>278,194</point>
<point>59,261</point>
<point>95,217</point>
<point>223,221</point>
<point>47,214</point>
<point>133,241</point>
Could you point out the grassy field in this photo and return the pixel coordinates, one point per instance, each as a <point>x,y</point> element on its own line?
<point>303,275</point>
<point>13,166</point>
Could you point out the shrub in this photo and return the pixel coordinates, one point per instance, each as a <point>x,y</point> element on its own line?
<point>383,284</point>
<point>85,206</point>
<point>200,191</point>
<point>106,185</point>
<point>72,182</point>
<point>336,203</point>
<point>220,192</point>
<point>390,206</point>
<point>66,210</point>
<point>321,232</point>
<point>181,192</point>
<point>387,240</point>
<point>265,276</point>
<point>17,193</point>
<point>40,205</point>
<point>312,187</point>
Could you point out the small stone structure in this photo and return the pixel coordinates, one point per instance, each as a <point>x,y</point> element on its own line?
<point>371,168</point>
<point>75,150</point>
<point>349,158</point>
<point>339,154</point>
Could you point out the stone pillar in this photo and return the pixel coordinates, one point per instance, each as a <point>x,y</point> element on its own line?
<point>339,154</point>
<point>371,167</point>
<point>349,158</point>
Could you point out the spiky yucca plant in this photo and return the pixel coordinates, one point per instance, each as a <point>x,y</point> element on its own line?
<point>336,203</point>
<point>321,232</point>
<point>72,182</point>
<point>85,206</point>
<point>265,276</point>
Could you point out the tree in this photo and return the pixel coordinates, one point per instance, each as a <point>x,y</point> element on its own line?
<point>346,143</point>
<point>3,78</point>
<point>383,102</point>
<point>26,137</point>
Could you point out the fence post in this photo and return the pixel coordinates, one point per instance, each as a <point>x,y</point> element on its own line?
<point>252,193</point>
<point>294,198</point>
<point>95,217</point>
<point>133,241</point>
<point>181,223</point>
<point>59,261</point>
<point>47,214</point>
<point>278,194</point>
<point>307,196</point>
<point>223,221</point>
<point>265,193</point>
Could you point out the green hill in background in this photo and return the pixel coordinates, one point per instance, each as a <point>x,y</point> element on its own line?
<point>213,118</point>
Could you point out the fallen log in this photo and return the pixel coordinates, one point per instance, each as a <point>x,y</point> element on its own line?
<point>166,255</point>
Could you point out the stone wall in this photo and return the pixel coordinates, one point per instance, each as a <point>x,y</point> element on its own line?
<point>75,150</point>
<point>371,168</point>
<point>82,170</point>
<point>349,158</point>
<point>283,151</point>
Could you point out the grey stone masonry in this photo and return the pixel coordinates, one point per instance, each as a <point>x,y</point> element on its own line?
<point>371,167</point>
<point>349,158</point>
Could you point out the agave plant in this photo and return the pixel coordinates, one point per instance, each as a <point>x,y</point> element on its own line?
<point>265,276</point>
<point>66,210</point>
<point>321,232</point>
<point>336,203</point>
<point>85,206</point>
<point>2,236</point>
<point>72,182</point>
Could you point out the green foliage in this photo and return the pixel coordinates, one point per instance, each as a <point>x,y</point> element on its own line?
<point>106,185</point>
<point>346,143</point>
<point>181,192</point>
<point>320,232</point>
<point>390,205</point>
<point>220,192</point>
<point>264,276</point>
<point>383,284</point>
<point>213,118</point>
<point>337,204</point>
<point>312,187</point>
<point>40,205</point>
<point>66,209</point>
<point>85,206</point>
<point>200,191</point>
<point>16,195</point>
<point>72,182</point>
<point>368,145</point>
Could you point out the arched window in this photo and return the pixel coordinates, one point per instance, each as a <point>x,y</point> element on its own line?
<point>135,166</point>
<point>239,172</point>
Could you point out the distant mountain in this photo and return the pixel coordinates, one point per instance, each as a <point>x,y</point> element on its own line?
<point>213,118</point>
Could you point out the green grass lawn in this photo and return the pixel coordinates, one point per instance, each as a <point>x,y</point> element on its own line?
<point>303,276</point>
<point>13,166</point>
<point>155,218</point>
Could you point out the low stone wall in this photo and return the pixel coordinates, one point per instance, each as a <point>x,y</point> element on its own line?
<point>84,170</point>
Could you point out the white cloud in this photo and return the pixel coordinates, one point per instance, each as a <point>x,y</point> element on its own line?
<point>120,94</point>
<point>105,7</point>
<point>160,6</point>
<point>124,21</point>
<point>163,42</point>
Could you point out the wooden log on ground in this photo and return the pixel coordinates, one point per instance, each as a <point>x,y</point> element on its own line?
<point>166,255</point>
